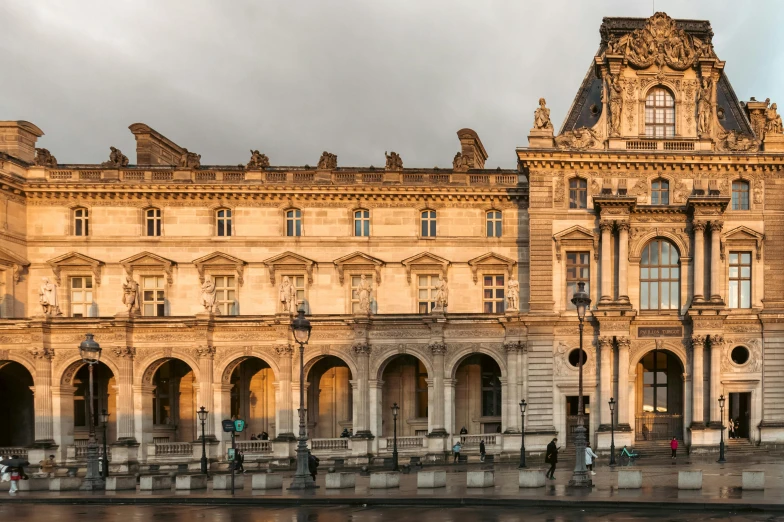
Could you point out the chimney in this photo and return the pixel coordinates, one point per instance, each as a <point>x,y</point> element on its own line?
<point>472,148</point>
<point>17,139</point>
<point>153,148</point>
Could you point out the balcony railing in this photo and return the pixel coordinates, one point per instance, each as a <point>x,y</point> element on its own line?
<point>173,448</point>
<point>329,444</point>
<point>254,446</point>
<point>474,440</point>
<point>655,145</point>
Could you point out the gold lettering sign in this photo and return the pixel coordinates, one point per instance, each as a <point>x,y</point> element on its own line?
<point>660,331</point>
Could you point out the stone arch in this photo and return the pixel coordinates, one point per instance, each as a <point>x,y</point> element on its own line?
<point>147,373</point>
<point>378,366</point>
<point>643,348</point>
<point>314,356</point>
<point>15,356</point>
<point>74,363</point>
<point>663,83</point>
<point>223,371</point>
<point>461,354</point>
<point>681,243</point>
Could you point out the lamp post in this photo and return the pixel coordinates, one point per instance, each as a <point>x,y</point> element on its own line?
<point>302,479</point>
<point>203,418</point>
<point>90,352</point>
<point>522,434</point>
<point>580,477</point>
<point>105,459</point>
<point>612,431</point>
<point>721,444</point>
<point>395,411</point>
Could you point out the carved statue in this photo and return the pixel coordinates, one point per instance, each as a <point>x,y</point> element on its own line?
<point>364,292</point>
<point>47,296</point>
<point>394,161</point>
<point>578,139</point>
<point>733,141</point>
<point>615,101</point>
<point>328,161</point>
<point>773,120</point>
<point>190,160</point>
<point>43,158</point>
<point>131,295</point>
<point>288,295</point>
<point>442,295</point>
<point>705,108</point>
<point>209,296</point>
<point>513,294</point>
<point>542,116</point>
<point>116,159</point>
<point>460,163</point>
<point>258,160</point>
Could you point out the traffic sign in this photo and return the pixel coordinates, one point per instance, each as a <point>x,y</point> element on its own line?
<point>239,425</point>
<point>228,425</point>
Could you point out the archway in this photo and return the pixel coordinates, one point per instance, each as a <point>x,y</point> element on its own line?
<point>17,409</point>
<point>174,403</point>
<point>478,403</point>
<point>330,398</point>
<point>405,383</point>
<point>104,398</point>
<point>659,397</point>
<point>253,396</point>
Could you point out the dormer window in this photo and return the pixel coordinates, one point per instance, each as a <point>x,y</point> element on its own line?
<point>659,114</point>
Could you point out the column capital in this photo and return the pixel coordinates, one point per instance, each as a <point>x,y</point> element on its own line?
<point>716,341</point>
<point>516,346</point>
<point>716,226</point>
<point>42,353</point>
<point>624,343</point>
<point>604,342</point>
<point>699,226</point>
<point>437,348</point>
<point>606,225</point>
<point>361,349</point>
<point>698,341</point>
<point>623,225</point>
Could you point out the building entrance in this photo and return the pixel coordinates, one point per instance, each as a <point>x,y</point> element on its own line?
<point>571,417</point>
<point>659,392</point>
<point>739,412</point>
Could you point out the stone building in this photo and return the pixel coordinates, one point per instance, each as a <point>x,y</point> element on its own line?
<point>445,291</point>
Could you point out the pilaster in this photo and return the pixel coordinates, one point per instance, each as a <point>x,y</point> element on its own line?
<point>284,406</point>
<point>44,427</point>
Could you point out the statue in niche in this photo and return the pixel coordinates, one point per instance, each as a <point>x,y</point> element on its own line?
<point>364,292</point>
<point>513,294</point>
<point>615,101</point>
<point>705,108</point>
<point>542,117</point>
<point>116,159</point>
<point>773,120</point>
<point>442,295</point>
<point>190,160</point>
<point>131,295</point>
<point>47,296</point>
<point>44,158</point>
<point>209,296</point>
<point>328,161</point>
<point>288,295</point>
<point>394,161</point>
<point>258,160</point>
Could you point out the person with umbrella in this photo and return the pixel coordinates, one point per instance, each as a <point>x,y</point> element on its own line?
<point>15,466</point>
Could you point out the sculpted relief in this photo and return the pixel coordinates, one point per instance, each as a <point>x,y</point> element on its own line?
<point>578,139</point>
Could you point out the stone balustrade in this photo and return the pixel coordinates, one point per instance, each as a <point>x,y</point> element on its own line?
<point>254,447</point>
<point>329,444</point>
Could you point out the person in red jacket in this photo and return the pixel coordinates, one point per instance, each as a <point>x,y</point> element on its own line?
<point>674,447</point>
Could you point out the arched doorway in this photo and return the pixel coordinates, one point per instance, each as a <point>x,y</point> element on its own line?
<point>478,395</point>
<point>330,398</point>
<point>104,398</point>
<point>659,397</point>
<point>17,409</point>
<point>253,397</point>
<point>405,383</point>
<point>174,403</point>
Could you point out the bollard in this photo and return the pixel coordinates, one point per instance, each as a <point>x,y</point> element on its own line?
<point>531,478</point>
<point>690,479</point>
<point>191,482</point>
<point>120,482</point>
<point>224,482</point>
<point>431,479</point>
<point>480,479</point>
<point>629,479</point>
<point>64,483</point>
<point>154,482</point>
<point>384,480</point>
<point>34,484</point>
<point>753,481</point>
<point>341,480</point>
<point>266,481</point>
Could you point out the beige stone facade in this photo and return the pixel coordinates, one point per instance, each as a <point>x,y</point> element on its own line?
<point>445,291</point>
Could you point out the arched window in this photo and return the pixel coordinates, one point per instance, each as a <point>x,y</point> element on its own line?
<point>294,222</point>
<point>660,192</point>
<point>428,223</point>
<point>740,195</point>
<point>659,276</point>
<point>152,221</point>
<point>494,226</point>
<point>659,113</point>
<point>223,217</point>
<point>81,222</point>
<point>362,223</point>
<point>578,193</point>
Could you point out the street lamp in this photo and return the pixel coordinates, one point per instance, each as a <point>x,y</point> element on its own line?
<point>612,431</point>
<point>105,459</point>
<point>522,434</point>
<point>91,354</point>
<point>721,444</point>
<point>203,418</point>
<point>302,479</point>
<point>580,477</point>
<point>395,411</point>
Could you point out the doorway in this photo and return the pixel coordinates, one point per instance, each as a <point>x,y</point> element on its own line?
<point>740,412</point>
<point>571,417</point>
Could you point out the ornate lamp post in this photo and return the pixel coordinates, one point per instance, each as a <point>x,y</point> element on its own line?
<point>105,459</point>
<point>612,431</point>
<point>721,444</point>
<point>522,434</point>
<point>580,477</point>
<point>203,418</point>
<point>302,479</point>
<point>91,354</point>
<point>395,411</point>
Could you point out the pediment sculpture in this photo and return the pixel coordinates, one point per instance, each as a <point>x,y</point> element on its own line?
<point>190,160</point>
<point>116,159</point>
<point>461,163</point>
<point>733,141</point>
<point>578,139</point>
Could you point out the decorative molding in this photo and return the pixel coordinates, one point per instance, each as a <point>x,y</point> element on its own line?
<point>147,261</point>
<point>426,262</point>
<point>437,348</point>
<point>491,261</point>
<point>360,262</point>
<point>289,261</point>
<point>42,353</point>
<point>575,237</point>
<point>220,261</point>
<point>75,261</point>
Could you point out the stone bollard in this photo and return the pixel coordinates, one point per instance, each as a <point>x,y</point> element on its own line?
<point>34,484</point>
<point>64,483</point>
<point>690,479</point>
<point>384,480</point>
<point>191,482</point>
<point>531,478</point>
<point>480,479</point>
<point>224,482</point>
<point>341,480</point>
<point>629,479</point>
<point>120,482</point>
<point>154,482</point>
<point>265,481</point>
<point>431,479</point>
<point>753,481</point>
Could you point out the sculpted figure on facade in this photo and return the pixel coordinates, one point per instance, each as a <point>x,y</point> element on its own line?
<point>542,117</point>
<point>116,159</point>
<point>47,296</point>
<point>131,295</point>
<point>209,296</point>
<point>460,163</point>
<point>615,101</point>
<point>364,292</point>
<point>258,160</point>
<point>328,161</point>
<point>288,295</point>
<point>577,139</point>
<point>733,141</point>
<point>190,160</point>
<point>773,120</point>
<point>705,108</point>
<point>44,158</point>
<point>394,161</point>
<point>442,295</point>
<point>513,294</point>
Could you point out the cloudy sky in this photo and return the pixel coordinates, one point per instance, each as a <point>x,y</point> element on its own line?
<point>293,78</point>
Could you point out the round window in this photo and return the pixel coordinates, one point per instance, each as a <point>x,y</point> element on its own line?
<point>740,355</point>
<point>574,357</point>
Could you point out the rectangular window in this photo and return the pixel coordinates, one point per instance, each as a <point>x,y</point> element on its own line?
<point>362,223</point>
<point>294,223</point>
<point>226,294</point>
<point>299,287</point>
<point>153,296</point>
<point>81,222</point>
<point>494,224</point>
<point>153,218</point>
<point>493,294</point>
<point>357,289</point>
<point>578,269</point>
<point>81,296</point>
<point>429,223</point>
<point>224,222</point>
<point>740,280</point>
<point>426,293</point>
<point>740,195</point>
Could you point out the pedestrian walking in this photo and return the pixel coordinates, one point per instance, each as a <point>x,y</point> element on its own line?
<point>239,460</point>
<point>456,449</point>
<point>589,456</point>
<point>674,448</point>
<point>313,464</point>
<point>482,450</point>
<point>551,458</point>
<point>731,429</point>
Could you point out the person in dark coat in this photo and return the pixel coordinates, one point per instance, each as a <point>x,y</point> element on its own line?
<point>551,457</point>
<point>482,450</point>
<point>239,460</point>
<point>313,464</point>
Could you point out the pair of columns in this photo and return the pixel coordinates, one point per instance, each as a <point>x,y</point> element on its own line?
<point>607,379</point>
<point>698,345</point>
<point>699,261</point>
<point>607,228</point>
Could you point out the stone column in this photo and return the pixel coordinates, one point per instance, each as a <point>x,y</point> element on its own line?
<point>375,389</point>
<point>361,421</point>
<point>42,395</point>
<point>125,414</point>
<point>699,261</point>
<point>438,350</point>
<point>623,261</point>
<point>449,401</point>
<point>142,407</point>
<point>605,344</point>
<point>512,397</point>
<point>606,290</point>
<point>716,344</point>
<point>623,420</point>
<point>206,360</point>
<point>63,408</point>
<point>697,382</point>
<point>284,405</point>
<point>716,271</point>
